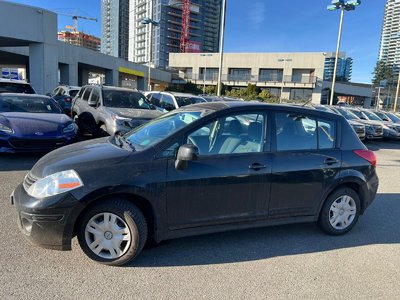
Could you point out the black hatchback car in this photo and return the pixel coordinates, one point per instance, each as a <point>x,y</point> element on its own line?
<point>203,168</point>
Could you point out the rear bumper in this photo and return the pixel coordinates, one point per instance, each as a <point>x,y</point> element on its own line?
<point>41,223</point>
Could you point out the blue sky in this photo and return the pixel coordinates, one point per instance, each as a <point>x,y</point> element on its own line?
<point>273,26</point>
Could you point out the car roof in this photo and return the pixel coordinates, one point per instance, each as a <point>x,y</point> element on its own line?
<point>13,81</point>
<point>24,95</point>
<point>220,105</point>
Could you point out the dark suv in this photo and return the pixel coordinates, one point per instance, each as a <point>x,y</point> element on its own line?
<point>203,168</point>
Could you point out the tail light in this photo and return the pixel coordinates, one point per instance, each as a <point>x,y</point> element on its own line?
<point>67,99</point>
<point>368,155</point>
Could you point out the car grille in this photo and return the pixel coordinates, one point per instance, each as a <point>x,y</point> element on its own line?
<point>378,129</point>
<point>36,143</point>
<point>397,129</point>
<point>28,181</point>
<point>360,130</point>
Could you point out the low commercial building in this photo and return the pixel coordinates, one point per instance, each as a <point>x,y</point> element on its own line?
<point>292,76</point>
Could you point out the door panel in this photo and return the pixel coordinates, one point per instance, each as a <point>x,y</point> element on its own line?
<point>218,189</point>
<point>299,180</point>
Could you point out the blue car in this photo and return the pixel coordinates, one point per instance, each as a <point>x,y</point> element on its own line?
<point>33,123</point>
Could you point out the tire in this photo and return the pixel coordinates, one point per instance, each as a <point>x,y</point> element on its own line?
<point>116,241</point>
<point>340,212</point>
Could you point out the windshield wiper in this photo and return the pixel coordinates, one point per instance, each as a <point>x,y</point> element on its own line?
<point>121,141</point>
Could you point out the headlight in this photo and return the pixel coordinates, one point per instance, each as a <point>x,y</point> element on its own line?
<point>121,120</point>
<point>55,184</point>
<point>6,129</point>
<point>69,128</point>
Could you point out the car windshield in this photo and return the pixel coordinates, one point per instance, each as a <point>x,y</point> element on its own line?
<point>372,116</point>
<point>28,105</point>
<point>393,117</point>
<point>359,114</point>
<point>13,87</point>
<point>125,99</point>
<point>183,101</point>
<point>160,128</point>
<point>348,114</point>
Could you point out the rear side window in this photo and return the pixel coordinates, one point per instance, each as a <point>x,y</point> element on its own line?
<point>167,102</point>
<point>300,132</point>
<point>95,96</point>
<point>155,99</point>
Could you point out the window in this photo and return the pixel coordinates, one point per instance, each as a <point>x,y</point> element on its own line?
<point>95,97</point>
<point>240,133</point>
<point>295,132</point>
<point>301,94</point>
<point>167,102</point>
<point>86,94</point>
<point>155,99</point>
<point>326,134</point>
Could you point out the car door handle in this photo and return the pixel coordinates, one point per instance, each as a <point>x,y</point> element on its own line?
<point>257,167</point>
<point>330,161</point>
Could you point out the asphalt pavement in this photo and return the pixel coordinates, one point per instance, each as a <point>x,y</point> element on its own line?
<point>285,262</point>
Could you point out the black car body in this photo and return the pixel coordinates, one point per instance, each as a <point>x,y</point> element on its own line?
<point>203,168</point>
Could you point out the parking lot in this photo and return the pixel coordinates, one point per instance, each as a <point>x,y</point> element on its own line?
<point>295,261</point>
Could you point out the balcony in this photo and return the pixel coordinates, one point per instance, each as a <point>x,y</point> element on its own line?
<point>243,80</point>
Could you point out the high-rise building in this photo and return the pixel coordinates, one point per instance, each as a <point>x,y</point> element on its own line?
<point>389,50</point>
<point>344,67</point>
<point>204,28</point>
<point>115,27</point>
<point>80,39</point>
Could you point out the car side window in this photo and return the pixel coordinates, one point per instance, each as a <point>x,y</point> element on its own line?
<point>326,134</point>
<point>155,99</point>
<point>86,94</point>
<point>238,133</point>
<point>95,97</point>
<point>295,132</point>
<point>167,102</point>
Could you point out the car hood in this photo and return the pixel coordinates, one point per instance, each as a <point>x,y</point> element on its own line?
<point>34,123</point>
<point>135,113</point>
<point>352,122</point>
<point>370,122</point>
<point>80,157</point>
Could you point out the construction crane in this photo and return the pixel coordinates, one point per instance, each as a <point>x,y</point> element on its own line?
<point>185,33</point>
<point>75,19</point>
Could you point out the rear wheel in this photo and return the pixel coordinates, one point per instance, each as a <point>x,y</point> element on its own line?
<point>340,212</point>
<point>113,232</point>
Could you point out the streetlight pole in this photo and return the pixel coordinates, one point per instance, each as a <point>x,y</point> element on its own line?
<point>284,60</point>
<point>336,57</point>
<point>205,71</point>
<point>397,93</point>
<point>342,5</point>
<point>151,22</point>
<point>221,50</point>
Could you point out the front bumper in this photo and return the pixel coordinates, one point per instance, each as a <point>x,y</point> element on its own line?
<point>47,223</point>
<point>14,144</point>
<point>391,134</point>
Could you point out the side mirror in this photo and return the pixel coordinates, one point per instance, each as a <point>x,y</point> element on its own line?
<point>186,153</point>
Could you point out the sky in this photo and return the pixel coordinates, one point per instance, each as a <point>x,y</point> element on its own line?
<point>272,26</point>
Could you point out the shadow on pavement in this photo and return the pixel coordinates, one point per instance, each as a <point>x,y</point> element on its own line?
<point>379,225</point>
<point>18,161</point>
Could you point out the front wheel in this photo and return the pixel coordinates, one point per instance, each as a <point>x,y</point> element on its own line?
<point>113,232</point>
<point>340,212</point>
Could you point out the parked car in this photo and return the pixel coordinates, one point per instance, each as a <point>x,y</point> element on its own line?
<point>373,129</point>
<point>211,98</point>
<point>33,123</point>
<point>353,120</point>
<point>64,94</point>
<point>15,86</point>
<point>100,109</point>
<point>393,117</point>
<point>203,168</point>
<point>171,100</point>
<point>390,129</point>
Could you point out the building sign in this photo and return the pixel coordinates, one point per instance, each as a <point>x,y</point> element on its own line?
<point>10,73</point>
<point>194,47</point>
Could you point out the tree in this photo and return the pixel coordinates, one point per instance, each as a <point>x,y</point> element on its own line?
<point>381,72</point>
